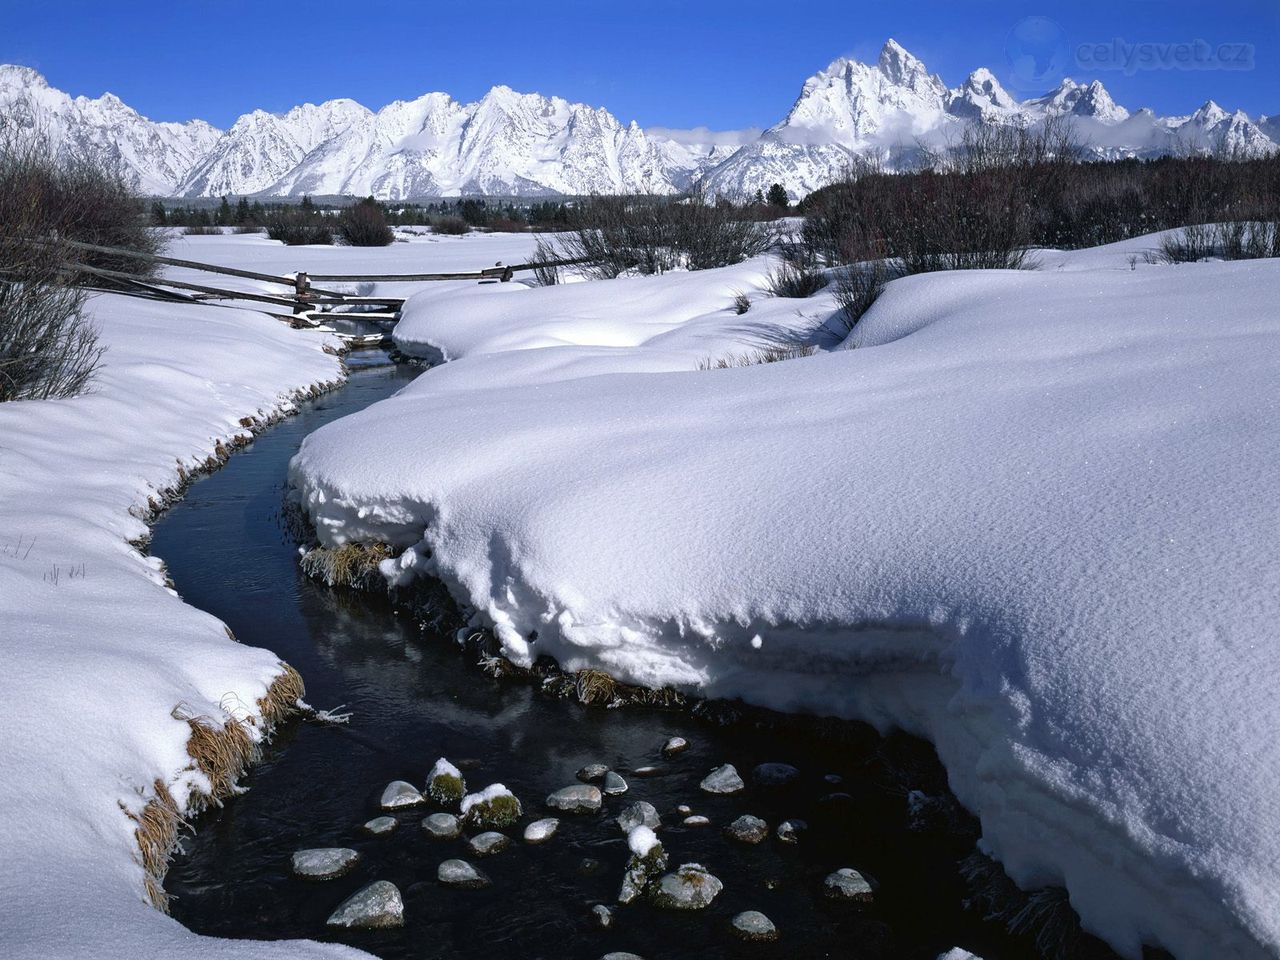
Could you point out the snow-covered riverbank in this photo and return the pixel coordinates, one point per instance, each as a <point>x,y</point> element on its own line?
<point>1027,518</point>
<point>102,664</point>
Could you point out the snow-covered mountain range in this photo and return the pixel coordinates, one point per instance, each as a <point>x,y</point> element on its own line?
<point>510,143</point>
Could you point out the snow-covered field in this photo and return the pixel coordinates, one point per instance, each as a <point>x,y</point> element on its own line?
<point>96,655</point>
<point>1027,515</point>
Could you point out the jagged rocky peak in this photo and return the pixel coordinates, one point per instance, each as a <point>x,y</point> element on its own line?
<point>509,142</point>
<point>904,69</point>
<point>16,75</point>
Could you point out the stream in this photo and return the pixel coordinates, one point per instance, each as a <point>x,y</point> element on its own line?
<point>415,697</point>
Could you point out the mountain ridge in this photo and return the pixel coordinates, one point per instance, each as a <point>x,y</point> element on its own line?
<point>529,144</point>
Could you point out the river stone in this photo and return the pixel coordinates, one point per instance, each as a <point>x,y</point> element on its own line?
<point>774,774</point>
<point>789,830</point>
<point>684,810</point>
<point>833,778</point>
<point>754,925</point>
<point>495,807</point>
<point>748,829</point>
<point>445,784</point>
<point>614,785</point>
<point>673,746</point>
<point>588,866</point>
<point>540,831</point>
<point>380,825</point>
<point>646,771</point>
<point>691,887</point>
<point>399,794</point>
<point>592,772</point>
<point>723,779</point>
<point>459,873</point>
<point>488,843</point>
<point>324,863</point>
<point>640,813</point>
<point>603,916</point>
<point>697,820</point>
<point>847,884</point>
<point>442,826</point>
<point>621,955</point>
<point>579,798</point>
<point>648,859</point>
<point>377,905</point>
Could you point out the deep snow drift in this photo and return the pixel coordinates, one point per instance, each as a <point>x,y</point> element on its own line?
<point>1027,515</point>
<point>96,652</point>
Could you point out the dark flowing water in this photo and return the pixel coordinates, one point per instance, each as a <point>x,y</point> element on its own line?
<point>414,698</point>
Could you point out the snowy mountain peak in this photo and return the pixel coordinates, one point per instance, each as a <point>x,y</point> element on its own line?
<point>530,144</point>
<point>15,75</point>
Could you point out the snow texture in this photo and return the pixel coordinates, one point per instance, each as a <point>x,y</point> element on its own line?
<point>97,652</point>
<point>1025,515</point>
<point>641,840</point>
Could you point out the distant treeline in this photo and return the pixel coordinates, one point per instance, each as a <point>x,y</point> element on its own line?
<point>471,211</point>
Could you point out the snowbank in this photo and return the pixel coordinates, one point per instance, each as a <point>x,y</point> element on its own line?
<point>1029,518</point>
<point>96,652</point>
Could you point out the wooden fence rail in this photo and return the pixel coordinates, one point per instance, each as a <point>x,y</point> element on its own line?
<point>303,298</point>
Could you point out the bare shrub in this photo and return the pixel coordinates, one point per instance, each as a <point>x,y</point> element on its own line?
<point>47,347</point>
<point>741,303</point>
<point>295,226</point>
<point>547,272</point>
<point>1192,243</point>
<point>1232,240</point>
<point>857,288</point>
<point>246,228</point>
<point>364,224</point>
<point>796,280</point>
<point>656,234</point>
<point>201,230</point>
<point>450,226</point>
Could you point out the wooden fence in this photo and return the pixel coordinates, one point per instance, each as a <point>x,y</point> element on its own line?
<point>302,298</point>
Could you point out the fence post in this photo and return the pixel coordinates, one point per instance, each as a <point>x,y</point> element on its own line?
<point>302,291</point>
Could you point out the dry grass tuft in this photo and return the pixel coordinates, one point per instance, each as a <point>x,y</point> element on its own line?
<point>280,702</point>
<point>157,835</point>
<point>223,754</point>
<point>595,687</point>
<point>350,565</point>
<point>773,353</point>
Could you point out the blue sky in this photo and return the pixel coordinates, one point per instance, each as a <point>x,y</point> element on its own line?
<point>723,65</point>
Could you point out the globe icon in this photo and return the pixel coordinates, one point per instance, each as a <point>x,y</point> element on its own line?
<point>1037,51</point>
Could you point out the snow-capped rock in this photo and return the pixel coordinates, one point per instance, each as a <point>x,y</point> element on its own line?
<point>153,157</point>
<point>528,144</point>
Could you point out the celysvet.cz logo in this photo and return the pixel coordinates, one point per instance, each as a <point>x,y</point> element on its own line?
<point>1040,54</point>
<point>1122,55</point>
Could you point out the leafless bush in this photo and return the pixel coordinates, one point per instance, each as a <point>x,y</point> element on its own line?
<point>50,193</point>
<point>741,303</point>
<point>1003,189</point>
<point>364,224</point>
<point>796,280</point>
<point>47,347</point>
<point>295,226</point>
<point>450,226</point>
<point>655,234</point>
<point>246,228</point>
<point>546,273</point>
<point>857,288</point>
<point>1232,240</point>
<point>1192,243</point>
<point>200,230</point>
